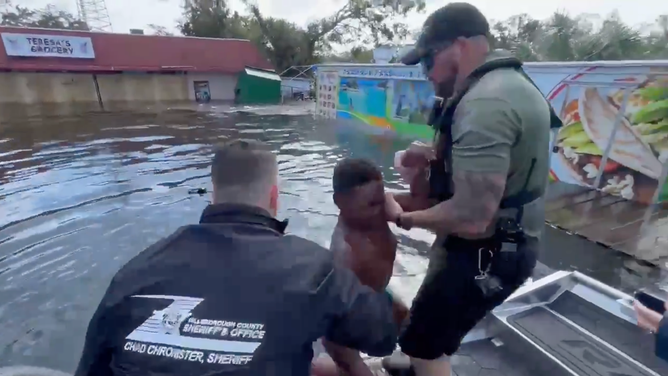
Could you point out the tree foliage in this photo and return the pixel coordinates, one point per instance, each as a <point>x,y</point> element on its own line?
<point>287,44</point>
<point>365,23</point>
<point>212,22</point>
<point>47,18</point>
<point>354,55</point>
<point>581,38</point>
<point>159,30</point>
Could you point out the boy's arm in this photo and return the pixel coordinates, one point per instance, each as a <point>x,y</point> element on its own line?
<point>363,319</point>
<point>418,197</point>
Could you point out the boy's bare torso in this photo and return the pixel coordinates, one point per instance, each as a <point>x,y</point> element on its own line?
<point>368,253</point>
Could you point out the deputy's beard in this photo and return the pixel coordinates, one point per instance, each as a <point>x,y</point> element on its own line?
<point>445,89</point>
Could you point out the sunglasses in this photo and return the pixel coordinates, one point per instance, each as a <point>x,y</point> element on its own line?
<point>429,55</point>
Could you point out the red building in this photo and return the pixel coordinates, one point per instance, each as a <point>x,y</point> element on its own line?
<point>172,68</point>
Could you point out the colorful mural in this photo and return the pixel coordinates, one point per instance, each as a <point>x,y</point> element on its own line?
<point>587,97</point>
<point>411,101</point>
<point>364,100</point>
<point>402,106</point>
<point>639,150</point>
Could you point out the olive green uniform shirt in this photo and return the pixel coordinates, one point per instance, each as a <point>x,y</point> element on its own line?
<point>501,124</point>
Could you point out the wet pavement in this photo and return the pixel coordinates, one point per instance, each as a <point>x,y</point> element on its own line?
<point>82,194</point>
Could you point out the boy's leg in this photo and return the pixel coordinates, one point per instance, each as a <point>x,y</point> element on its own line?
<point>323,365</point>
<point>348,360</point>
<point>434,367</point>
<point>400,310</point>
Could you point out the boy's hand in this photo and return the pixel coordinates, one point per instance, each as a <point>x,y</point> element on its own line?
<point>392,208</point>
<point>647,319</point>
<point>417,155</point>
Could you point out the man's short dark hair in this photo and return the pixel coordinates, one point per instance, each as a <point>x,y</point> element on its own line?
<point>350,173</point>
<point>242,168</point>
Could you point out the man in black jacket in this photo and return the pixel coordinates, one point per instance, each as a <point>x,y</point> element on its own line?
<point>233,294</point>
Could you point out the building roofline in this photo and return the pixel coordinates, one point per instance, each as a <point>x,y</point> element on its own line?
<point>546,64</point>
<point>115,33</point>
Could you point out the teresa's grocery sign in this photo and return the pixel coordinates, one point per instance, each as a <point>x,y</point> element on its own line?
<point>42,45</point>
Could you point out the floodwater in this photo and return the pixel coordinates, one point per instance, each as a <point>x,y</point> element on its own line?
<point>82,194</point>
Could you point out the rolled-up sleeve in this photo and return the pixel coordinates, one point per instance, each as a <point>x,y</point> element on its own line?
<point>483,134</point>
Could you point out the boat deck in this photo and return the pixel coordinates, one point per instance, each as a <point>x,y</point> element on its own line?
<point>609,220</point>
<point>570,331</point>
<point>507,356</point>
<point>483,358</point>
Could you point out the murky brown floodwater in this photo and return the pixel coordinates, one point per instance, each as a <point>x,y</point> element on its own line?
<point>81,195</point>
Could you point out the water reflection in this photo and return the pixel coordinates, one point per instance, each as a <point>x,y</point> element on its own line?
<point>81,194</point>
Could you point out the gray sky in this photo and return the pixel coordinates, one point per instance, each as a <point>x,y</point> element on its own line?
<point>127,14</point>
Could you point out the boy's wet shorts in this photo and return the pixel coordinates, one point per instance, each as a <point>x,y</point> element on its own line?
<point>449,303</point>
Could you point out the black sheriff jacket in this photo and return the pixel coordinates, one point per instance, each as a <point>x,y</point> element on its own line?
<point>232,295</point>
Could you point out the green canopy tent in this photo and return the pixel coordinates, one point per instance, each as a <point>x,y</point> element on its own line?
<point>258,86</point>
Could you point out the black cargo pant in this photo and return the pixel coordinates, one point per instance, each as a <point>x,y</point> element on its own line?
<point>449,303</point>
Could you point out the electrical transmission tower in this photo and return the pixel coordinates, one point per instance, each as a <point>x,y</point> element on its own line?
<point>95,14</point>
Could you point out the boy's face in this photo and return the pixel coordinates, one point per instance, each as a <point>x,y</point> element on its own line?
<point>363,203</point>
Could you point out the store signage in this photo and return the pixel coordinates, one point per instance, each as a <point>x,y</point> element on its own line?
<point>43,45</point>
<point>402,72</point>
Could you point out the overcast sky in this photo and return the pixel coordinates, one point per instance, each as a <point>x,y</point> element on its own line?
<point>127,14</point>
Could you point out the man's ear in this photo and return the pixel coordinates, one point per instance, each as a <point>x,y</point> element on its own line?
<point>273,200</point>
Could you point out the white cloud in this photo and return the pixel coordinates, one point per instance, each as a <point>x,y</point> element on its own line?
<point>129,14</point>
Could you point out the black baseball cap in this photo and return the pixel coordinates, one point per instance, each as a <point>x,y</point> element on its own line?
<point>446,25</point>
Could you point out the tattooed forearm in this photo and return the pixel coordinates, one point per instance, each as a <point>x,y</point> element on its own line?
<point>471,210</point>
<point>476,201</point>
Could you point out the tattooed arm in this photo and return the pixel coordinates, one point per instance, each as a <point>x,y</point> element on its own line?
<point>470,211</point>
<point>483,135</point>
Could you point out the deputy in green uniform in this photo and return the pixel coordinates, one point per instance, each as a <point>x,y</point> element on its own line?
<point>481,185</point>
